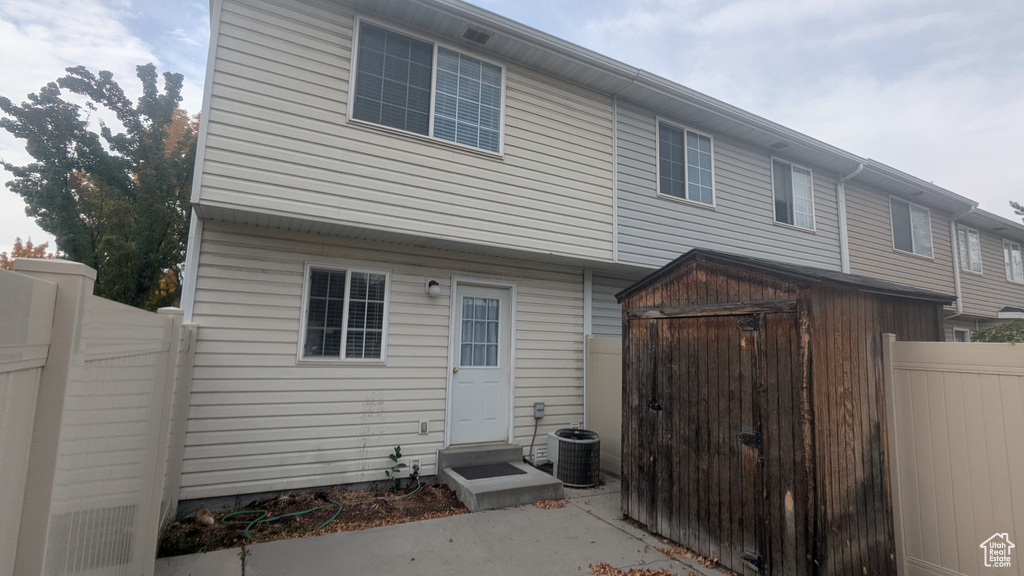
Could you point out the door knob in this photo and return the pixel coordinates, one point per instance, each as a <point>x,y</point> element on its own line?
<point>456,369</point>
<point>654,405</point>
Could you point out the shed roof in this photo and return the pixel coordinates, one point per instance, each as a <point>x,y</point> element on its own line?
<point>795,272</point>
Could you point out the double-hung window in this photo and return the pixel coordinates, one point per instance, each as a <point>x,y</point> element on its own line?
<point>419,87</point>
<point>344,314</point>
<point>794,195</point>
<point>1012,261</point>
<point>911,227</point>
<point>684,164</point>
<point>969,242</point>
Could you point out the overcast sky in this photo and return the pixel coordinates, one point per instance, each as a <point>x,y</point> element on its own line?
<point>934,88</point>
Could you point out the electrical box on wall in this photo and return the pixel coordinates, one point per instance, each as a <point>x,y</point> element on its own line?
<point>423,426</point>
<point>538,410</point>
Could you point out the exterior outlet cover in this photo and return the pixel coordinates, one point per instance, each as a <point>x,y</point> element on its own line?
<point>423,426</point>
<point>538,409</point>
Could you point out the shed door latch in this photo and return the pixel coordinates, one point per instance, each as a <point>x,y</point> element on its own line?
<point>756,561</point>
<point>654,404</point>
<point>752,439</point>
<point>751,323</point>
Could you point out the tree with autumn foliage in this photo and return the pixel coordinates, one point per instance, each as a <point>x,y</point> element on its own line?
<point>25,250</point>
<point>116,199</point>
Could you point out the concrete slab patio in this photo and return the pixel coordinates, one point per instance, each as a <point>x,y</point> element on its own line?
<point>519,541</point>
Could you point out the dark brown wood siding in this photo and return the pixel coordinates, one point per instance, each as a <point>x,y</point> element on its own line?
<point>814,497</point>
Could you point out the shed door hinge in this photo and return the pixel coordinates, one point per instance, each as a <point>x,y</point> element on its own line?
<point>755,561</point>
<point>752,439</point>
<point>751,323</point>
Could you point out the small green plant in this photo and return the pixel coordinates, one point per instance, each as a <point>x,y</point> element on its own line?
<point>396,467</point>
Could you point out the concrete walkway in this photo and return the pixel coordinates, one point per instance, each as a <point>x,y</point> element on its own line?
<point>520,541</point>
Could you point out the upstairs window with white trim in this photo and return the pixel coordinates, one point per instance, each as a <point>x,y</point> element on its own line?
<point>969,242</point>
<point>793,190</point>
<point>396,76</point>
<point>1012,261</point>
<point>911,227</point>
<point>685,164</point>
<point>344,315</point>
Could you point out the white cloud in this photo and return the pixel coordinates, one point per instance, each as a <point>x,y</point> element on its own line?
<point>38,40</point>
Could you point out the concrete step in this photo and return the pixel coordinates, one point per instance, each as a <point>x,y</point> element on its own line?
<point>504,491</point>
<point>478,454</point>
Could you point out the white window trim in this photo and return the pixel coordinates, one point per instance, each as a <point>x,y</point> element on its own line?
<point>429,136</point>
<point>336,267</point>
<point>967,330</point>
<point>657,164</point>
<point>965,266</point>
<point>892,230</point>
<point>775,216</point>
<point>1010,263</point>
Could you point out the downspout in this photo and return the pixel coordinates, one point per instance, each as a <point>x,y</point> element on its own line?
<point>615,167</point>
<point>844,237</point>
<point>955,246</point>
<point>588,330</point>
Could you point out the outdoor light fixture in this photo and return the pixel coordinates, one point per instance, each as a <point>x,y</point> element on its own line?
<point>433,287</point>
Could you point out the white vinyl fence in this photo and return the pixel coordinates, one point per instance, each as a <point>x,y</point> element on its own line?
<point>956,442</point>
<point>87,387</point>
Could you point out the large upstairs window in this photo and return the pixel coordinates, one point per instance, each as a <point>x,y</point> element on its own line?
<point>419,87</point>
<point>1012,261</point>
<point>969,244</point>
<point>793,190</point>
<point>685,164</point>
<point>911,227</point>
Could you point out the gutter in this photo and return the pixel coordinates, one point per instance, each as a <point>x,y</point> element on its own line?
<point>844,236</point>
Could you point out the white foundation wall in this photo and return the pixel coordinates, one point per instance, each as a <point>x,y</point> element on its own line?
<point>260,421</point>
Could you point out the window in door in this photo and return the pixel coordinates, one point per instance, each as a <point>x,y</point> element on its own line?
<point>480,320</point>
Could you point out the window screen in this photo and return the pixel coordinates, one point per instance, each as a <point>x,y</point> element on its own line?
<point>393,80</point>
<point>468,107</point>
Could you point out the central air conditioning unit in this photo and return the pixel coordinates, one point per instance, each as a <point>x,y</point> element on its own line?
<point>576,456</point>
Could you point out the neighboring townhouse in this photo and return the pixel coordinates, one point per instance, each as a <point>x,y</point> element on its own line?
<point>410,215</point>
<point>989,272</point>
<point>900,229</point>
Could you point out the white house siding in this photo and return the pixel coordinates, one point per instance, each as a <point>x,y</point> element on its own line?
<point>259,421</point>
<point>654,230</point>
<point>871,251</point>
<point>606,314</point>
<point>279,142</point>
<point>986,293</point>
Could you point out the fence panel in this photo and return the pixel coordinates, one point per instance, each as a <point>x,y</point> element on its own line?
<point>26,314</point>
<point>956,438</point>
<point>604,398</point>
<point>92,463</point>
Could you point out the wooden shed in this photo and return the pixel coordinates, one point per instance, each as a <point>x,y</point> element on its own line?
<point>753,427</point>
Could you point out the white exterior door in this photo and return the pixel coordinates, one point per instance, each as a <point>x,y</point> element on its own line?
<point>481,370</point>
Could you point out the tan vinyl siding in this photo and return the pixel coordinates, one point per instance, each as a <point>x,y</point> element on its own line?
<point>259,421</point>
<point>654,230</point>
<point>986,293</point>
<point>871,249</point>
<point>279,142</point>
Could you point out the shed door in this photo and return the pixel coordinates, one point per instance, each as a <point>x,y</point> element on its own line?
<point>713,437</point>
